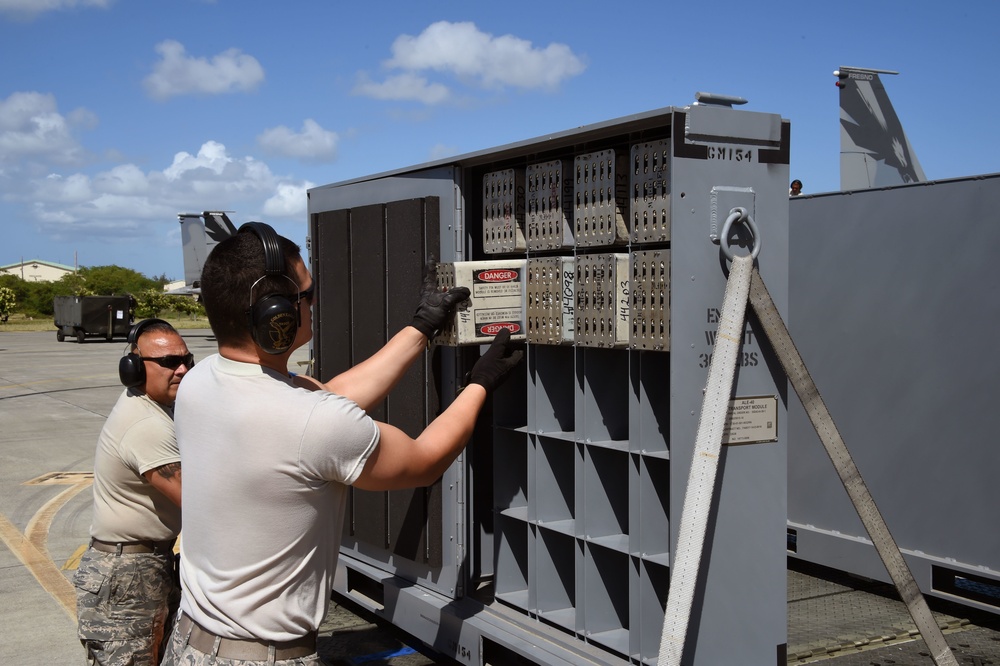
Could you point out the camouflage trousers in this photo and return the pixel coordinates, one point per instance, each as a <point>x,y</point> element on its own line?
<point>124,605</point>
<point>179,653</point>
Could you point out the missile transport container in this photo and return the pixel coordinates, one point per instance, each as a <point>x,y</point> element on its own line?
<point>550,540</point>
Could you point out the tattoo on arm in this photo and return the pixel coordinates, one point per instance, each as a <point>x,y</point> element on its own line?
<point>169,471</point>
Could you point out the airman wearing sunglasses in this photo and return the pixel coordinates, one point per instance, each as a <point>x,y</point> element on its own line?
<point>127,591</point>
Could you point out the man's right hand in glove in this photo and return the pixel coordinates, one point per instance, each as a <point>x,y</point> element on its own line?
<point>492,368</point>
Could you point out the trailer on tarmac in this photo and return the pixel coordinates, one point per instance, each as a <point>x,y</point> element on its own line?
<point>81,317</point>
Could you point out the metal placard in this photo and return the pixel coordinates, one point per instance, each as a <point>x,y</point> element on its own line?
<point>549,204</point>
<point>751,420</point>
<point>650,192</point>
<point>600,198</point>
<point>603,307</point>
<point>551,300</point>
<point>651,300</point>
<point>503,211</point>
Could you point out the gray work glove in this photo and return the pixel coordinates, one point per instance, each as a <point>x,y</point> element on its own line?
<point>435,305</point>
<point>492,368</point>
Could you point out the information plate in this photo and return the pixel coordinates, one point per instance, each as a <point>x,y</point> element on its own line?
<point>751,420</point>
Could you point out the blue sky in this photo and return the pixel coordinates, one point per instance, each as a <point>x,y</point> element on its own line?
<point>115,115</point>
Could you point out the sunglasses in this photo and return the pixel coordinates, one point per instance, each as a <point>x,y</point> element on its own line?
<point>307,295</point>
<point>172,362</point>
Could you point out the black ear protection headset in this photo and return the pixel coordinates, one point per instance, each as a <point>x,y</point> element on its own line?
<point>275,317</point>
<point>131,370</point>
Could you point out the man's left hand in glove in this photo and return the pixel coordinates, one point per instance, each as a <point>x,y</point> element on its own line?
<point>436,304</point>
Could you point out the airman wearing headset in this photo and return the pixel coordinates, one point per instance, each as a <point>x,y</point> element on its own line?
<point>268,462</point>
<point>128,570</point>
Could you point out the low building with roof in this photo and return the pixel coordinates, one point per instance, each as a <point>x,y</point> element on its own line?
<point>37,270</point>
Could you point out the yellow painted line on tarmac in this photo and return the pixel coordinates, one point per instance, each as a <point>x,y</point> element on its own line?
<point>74,560</point>
<point>40,565</point>
<point>31,548</point>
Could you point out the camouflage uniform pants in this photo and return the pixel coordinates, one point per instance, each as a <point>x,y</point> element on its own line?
<point>124,604</point>
<point>179,653</point>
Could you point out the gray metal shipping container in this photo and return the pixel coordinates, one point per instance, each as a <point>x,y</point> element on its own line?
<point>92,316</point>
<point>891,291</point>
<point>551,539</point>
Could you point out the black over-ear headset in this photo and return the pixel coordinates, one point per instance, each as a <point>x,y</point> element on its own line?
<point>274,317</point>
<point>131,369</point>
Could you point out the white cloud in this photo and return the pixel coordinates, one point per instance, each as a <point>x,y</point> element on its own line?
<point>312,144</point>
<point>180,74</point>
<point>122,201</point>
<point>474,57</point>
<point>407,86</point>
<point>31,128</point>
<point>127,180</point>
<point>28,9</point>
<point>288,201</point>
<point>211,156</point>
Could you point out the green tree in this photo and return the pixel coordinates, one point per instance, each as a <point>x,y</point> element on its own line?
<point>109,280</point>
<point>72,284</point>
<point>34,299</point>
<point>38,298</point>
<point>150,303</point>
<point>7,302</point>
<point>15,284</point>
<point>187,306</point>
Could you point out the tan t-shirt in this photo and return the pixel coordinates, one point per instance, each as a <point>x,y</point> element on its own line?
<point>266,473</point>
<point>137,437</point>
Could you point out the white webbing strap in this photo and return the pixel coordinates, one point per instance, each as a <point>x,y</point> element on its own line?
<point>686,561</point>
<point>822,421</point>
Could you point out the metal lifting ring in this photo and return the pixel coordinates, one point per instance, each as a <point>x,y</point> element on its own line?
<point>739,215</point>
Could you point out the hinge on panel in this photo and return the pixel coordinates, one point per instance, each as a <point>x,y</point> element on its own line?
<point>459,224</point>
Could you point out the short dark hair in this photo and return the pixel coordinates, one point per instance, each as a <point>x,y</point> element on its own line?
<point>227,277</point>
<point>797,181</point>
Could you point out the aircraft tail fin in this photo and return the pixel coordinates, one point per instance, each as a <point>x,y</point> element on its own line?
<point>874,148</point>
<point>200,232</point>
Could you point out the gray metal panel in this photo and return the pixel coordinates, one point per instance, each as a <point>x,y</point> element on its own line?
<point>331,267</point>
<point>377,251</point>
<point>889,289</point>
<point>369,520</point>
<point>743,570</point>
<point>414,526</point>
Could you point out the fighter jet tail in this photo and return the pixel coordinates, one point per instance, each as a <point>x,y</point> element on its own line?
<point>874,149</point>
<point>200,232</point>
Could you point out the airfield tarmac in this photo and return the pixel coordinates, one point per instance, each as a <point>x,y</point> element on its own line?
<point>54,398</point>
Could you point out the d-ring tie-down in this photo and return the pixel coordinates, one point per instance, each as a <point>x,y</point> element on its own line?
<point>739,215</point>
